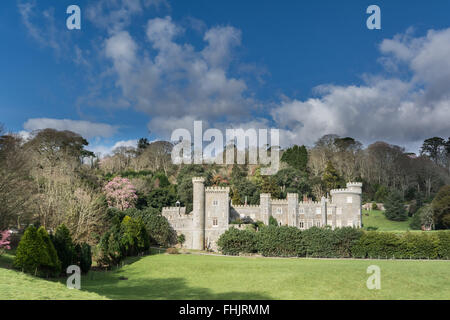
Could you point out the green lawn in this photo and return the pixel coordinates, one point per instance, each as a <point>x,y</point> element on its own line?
<point>376,218</point>
<point>16,285</point>
<point>190,276</point>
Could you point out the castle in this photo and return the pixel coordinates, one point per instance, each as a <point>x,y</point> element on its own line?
<point>212,212</point>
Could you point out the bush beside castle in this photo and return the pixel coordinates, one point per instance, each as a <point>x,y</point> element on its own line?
<point>346,242</point>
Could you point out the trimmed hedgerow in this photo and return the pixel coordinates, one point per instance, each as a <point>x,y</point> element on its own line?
<point>444,245</point>
<point>280,242</point>
<point>345,242</point>
<point>320,242</point>
<point>234,241</point>
<point>386,245</point>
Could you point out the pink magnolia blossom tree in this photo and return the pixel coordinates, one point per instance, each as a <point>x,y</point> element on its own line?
<point>120,193</point>
<point>4,241</point>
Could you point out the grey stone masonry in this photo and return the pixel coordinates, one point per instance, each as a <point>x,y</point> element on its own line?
<point>212,212</point>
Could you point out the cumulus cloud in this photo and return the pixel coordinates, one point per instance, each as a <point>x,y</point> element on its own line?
<point>115,15</point>
<point>103,150</point>
<point>390,108</point>
<point>86,129</point>
<point>172,80</point>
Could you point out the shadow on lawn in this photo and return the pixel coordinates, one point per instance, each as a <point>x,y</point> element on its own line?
<point>164,289</point>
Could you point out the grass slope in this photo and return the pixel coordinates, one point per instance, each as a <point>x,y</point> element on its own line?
<point>214,277</point>
<point>16,285</point>
<point>376,218</point>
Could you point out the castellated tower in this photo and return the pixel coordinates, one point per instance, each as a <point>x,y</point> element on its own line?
<point>266,207</point>
<point>348,203</point>
<point>292,199</point>
<point>198,232</point>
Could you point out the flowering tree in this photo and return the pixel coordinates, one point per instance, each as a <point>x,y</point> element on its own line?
<point>120,193</point>
<point>4,240</point>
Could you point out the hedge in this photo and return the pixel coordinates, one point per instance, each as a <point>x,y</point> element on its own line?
<point>345,242</point>
<point>386,245</point>
<point>235,241</point>
<point>280,242</point>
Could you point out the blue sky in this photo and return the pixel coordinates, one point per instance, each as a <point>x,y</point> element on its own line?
<point>141,68</point>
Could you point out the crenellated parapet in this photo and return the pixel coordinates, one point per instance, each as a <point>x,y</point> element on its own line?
<point>279,201</point>
<point>217,189</point>
<point>309,203</point>
<point>243,206</point>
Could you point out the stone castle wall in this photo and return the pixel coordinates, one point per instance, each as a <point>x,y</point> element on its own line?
<point>213,213</point>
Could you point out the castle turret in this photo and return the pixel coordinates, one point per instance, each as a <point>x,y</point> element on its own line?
<point>355,186</point>
<point>198,213</point>
<point>323,210</point>
<point>292,199</point>
<point>348,204</point>
<point>266,207</point>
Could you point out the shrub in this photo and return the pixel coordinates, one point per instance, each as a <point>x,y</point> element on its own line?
<point>418,246</point>
<point>84,257</point>
<point>64,246</point>
<point>126,237</point>
<point>49,262</point>
<point>273,221</point>
<point>5,241</point>
<point>345,238</point>
<point>408,245</point>
<point>181,239</point>
<point>158,228</point>
<point>109,250</point>
<point>444,245</point>
<point>235,241</point>
<point>320,242</point>
<point>374,206</point>
<point>395,209</point>
<point>282,241</point>
<point>134,237</point>
<point>416,223</point>
<point>441,208</point>
<point>36,254</point>
<point>373,244</point>
<point>172,251</point>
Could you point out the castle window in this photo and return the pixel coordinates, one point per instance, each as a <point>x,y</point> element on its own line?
<point>349,199</point>
<point>329,211</point>
<point>215,203</point>
<point>318,210</point>
<point>302,210</point>
<point>302,225</point>
<point>215,222</point>
<point>317,223</point>
<point>279,210</point>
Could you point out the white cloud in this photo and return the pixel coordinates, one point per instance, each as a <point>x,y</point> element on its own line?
<point>103,150</point>
<point>174,81</point>
<point>115,15</point>
<point>86,129</point>
<point>382,108</point>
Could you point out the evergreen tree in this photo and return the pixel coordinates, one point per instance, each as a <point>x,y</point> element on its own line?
<point>296,157</point>
<point>36,254</point>
<point>29,251</point>
<point>64,246</point>
<point>441,208</point>
<point>395,208</point>
<point>49,262</point>
<point>330,177</point>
